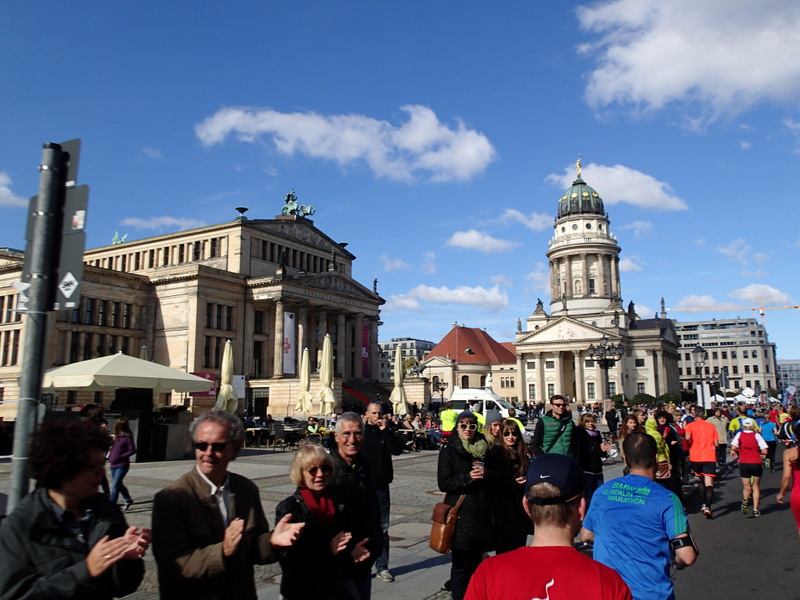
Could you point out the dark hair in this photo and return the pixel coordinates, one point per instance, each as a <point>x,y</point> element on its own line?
<point>640,450</point>
<point>59,450</point>
<point>558,397</point>
<point>94,412</point>
<point>519,448</point>
<point>662,414</point>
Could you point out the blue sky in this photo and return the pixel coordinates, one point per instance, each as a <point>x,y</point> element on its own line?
<point>435,137</point>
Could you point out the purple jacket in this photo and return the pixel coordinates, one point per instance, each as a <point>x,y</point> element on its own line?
<point>121,451</point>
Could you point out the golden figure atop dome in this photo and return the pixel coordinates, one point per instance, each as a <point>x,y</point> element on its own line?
<point>578,165</point>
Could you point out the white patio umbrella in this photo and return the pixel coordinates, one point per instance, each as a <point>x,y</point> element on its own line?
<point>305,398</point>
<point>398,397</point>
<point>327,399</point>
<point>108,373</point>
<point>226,399</point>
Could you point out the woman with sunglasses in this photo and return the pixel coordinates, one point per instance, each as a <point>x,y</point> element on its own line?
<point>506,467</point>
<point>590,452</point>
<point>326,544</point>
<point>461,472</point>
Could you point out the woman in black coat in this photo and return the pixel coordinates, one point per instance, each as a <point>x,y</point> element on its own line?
<point>317,565</point>
<point>590,452</point>
<point>461,471</point>
<point>506,468</point>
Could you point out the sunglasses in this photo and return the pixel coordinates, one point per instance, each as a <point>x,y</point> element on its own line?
<point>510,434</point>
<point>470,426</point>
<point>324,469</point>
<point>558,405</point>
<point>215,446</point>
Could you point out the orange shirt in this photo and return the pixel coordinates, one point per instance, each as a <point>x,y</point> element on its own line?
<point>701,447</point>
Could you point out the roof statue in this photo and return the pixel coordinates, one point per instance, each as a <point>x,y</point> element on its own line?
<point>578,165</point>
<point>118,240</point>
<point>293,207</point>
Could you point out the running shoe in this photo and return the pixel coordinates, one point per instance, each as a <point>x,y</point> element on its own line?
<point>744,506</point>
<point>756,513</point>
<point>706,511</point>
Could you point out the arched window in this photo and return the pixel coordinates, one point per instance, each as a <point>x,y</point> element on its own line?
<point>464,382</point>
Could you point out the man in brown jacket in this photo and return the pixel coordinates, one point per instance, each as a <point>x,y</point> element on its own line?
<point>209,527</point>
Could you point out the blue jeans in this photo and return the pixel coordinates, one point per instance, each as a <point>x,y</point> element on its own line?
<point>384,504</point>
<point>117,487</point>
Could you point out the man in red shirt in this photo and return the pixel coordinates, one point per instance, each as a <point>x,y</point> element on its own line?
<point>550,567</point>
<point>703,440</point>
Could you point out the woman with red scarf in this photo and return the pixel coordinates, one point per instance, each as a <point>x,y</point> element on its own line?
<point>315,565</point>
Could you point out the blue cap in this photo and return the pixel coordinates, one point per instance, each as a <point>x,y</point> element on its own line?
<point>559,470</point>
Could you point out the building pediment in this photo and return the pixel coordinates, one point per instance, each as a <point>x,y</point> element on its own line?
<point>565,329</point>
<point>301,230</point>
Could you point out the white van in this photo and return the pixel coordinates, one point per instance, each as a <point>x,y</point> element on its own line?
<point>465,399</point>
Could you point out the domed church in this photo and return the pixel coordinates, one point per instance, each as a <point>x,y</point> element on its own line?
<point>587,345</point>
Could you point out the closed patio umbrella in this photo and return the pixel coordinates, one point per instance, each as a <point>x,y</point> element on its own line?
<point>304,400</point>
<point>398,397</point>
<point>327,399</point>
<point>226,399</point>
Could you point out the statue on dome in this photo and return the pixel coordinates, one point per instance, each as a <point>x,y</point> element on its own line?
<point>578,165</point>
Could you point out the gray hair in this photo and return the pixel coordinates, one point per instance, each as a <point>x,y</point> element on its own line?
<point>348,417</point>
<point>220,417</point>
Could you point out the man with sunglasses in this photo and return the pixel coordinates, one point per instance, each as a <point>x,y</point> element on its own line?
<point>209,527</point>
<point>554,432</point>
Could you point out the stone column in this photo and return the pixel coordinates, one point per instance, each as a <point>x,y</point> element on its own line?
<point>553,281</point>
<point>615,275</point>
<point>559,382</point>
<point>570,282</point>
<point>541,390</point>
<point>341,338</point>
<point>277,346</point>
<point>585,273</point>
<point>580,393</point>
<point>521,379</point>
<point>602,276</point>
<point>302,342</point>
<point>358,367</point>
<point>373,350</point>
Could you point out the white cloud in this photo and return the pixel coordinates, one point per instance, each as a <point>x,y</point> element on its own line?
<point>428,265</point>
<point>7,197</point>
<point>491,300</point>
<point>760,257</point>
<point>758,294</point>
<point>639,228</point>
<point>716,58</point>
<point>644,311</point>
<point>745,145</point>
<point>153,153</point>
<point>695,301</point>
<point>422,146</point>
<point>393,264</point>
<point>757,274</point>
<point>534,221</point>
<point>539,278</point>
<point>501,280</point>
<point>630,264</point>
<point>736,251</point>
<point>162,223</point>
<point>476,240</point>
<point>619,184</point>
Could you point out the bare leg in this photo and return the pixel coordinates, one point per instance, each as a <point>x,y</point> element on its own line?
<point>756,492</point>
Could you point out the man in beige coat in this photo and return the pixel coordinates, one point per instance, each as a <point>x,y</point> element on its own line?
<point>209,527</point>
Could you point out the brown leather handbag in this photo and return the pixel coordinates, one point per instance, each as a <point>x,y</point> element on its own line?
<point>444,525</point>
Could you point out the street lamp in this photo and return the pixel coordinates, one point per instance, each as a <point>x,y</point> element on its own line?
<point>441,386</point>
<point>700,356</point>
<point>606,355</point>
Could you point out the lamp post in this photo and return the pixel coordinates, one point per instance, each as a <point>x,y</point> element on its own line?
<point>441,386</point>
<point>606,355</point>
<point>700,356</point>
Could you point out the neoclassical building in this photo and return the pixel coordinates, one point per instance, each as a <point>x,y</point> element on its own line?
<point>553,349</point>
<point>272,286</point>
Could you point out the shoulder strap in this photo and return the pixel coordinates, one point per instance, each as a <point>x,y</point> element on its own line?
<point>562,428</point>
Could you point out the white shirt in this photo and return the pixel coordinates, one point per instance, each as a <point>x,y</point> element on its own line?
<point>222,495</point>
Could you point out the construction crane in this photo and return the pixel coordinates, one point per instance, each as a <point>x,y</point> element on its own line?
<point>760,309</point>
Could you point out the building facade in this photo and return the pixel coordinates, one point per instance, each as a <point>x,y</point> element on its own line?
<point>788,373</point>
<point>741,345</point>
<point>410,347</point>
<point>272,286</point>
<point>552,349</point>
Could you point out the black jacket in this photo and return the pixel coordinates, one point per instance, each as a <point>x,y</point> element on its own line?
<point>505,494</point>
<point>354,485</point>
<point>474,525</point>
<point>377,449</point>
<point>39,559</point>
<point>588,451</point>
<point>310,569</point>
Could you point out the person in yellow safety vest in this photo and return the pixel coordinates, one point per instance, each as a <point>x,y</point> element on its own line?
<point>448,419</point>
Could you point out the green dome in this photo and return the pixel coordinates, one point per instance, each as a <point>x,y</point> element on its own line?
<point>580,199</point>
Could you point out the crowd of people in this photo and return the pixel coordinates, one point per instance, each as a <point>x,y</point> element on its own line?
<point>69,538</point>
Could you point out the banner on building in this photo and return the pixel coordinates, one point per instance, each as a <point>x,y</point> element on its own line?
<point>212,393</point>
<point>289,344</point>
<point>365,352</point>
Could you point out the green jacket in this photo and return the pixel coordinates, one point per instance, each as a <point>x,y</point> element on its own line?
<point>546,439</point>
